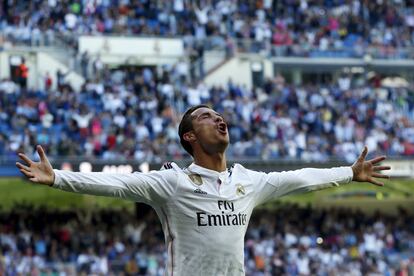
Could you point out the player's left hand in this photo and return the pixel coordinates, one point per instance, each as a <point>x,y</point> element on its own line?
<point>368,171</point>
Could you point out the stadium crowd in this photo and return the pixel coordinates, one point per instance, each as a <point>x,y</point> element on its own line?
<point>133,114</point>
<point>291,241</point>
<point>302,28</point>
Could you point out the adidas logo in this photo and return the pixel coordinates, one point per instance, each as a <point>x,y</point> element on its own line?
<point>199,191</point>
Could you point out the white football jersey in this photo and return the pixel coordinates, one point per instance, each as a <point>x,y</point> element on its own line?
<point>204,213</point>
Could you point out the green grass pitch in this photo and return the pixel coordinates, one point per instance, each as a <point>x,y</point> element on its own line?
<point>395,191</point>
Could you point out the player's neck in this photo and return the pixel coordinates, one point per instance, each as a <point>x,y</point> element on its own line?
<point>216,162</point>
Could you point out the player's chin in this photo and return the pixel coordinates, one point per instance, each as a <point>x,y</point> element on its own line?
<point>224,141</point>
<point>221,147</point>
<point>224,137</point>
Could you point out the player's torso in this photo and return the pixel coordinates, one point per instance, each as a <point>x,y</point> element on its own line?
<point>213,210</point>
<point>208,218</point>
<point>220,201</point>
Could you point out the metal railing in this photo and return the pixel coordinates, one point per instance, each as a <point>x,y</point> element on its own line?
<point>52,38</point>
<point>312,51</point>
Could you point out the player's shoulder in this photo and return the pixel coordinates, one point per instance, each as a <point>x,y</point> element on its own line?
<point>242,171</point>
<point>238,169</point>
<point>169,171</point>
<point>171,167</point>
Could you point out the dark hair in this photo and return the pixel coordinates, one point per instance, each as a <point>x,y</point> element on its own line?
<point>186,125</point>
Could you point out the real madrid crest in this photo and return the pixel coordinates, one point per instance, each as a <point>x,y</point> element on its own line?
<point>196,179</point>
<point>240,190</point>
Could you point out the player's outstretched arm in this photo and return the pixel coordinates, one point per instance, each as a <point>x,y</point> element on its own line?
<point>152,187</point>
<point>277,184</point>
<point>38,172</point>
<point>368,170</point>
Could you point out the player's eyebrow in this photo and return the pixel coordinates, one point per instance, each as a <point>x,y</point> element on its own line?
<point>209,113</point>
<point>202,114</point>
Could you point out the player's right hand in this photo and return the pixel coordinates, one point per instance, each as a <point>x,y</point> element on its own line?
<point>38,172</point>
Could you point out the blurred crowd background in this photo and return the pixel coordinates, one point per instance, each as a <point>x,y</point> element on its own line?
<point>291,241</point>
<point>298,28</point>
<point>130,114</point>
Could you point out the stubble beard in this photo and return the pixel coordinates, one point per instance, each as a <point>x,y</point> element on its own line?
<point>219,147</point>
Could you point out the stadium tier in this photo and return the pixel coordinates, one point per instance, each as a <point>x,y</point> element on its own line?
<point>291,241</point>
<point>133,115</point>
<point>104,105</point>
<point>296,28</point>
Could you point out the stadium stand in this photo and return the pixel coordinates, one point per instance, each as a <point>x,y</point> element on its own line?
<point>292,241</point>
<point>120,114</point>
<point>283,28</point>
<point>313,122</point>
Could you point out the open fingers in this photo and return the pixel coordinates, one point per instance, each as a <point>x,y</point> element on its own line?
<point>28,174</point>
<point>377,159</point>
<point>22,167</point>
<point>375,182</point>
<point>381,168</point>
<point>378,175</point>
<point>41,153</point>
<point>25,158</point>
<point>363,154</point>
<point>25,170</point>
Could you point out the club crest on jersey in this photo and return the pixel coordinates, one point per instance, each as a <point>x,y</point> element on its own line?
<point>196,179</point>
<point>240,190</point>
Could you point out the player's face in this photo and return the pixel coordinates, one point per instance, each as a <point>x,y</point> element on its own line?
<point>210,130</point>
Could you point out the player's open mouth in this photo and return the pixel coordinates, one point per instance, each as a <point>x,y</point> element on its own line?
<point>222,128</point>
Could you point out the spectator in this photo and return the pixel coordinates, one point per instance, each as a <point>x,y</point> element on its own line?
<point>283,121</point>
<point>382,29</point>
<point>335,241</point>
<point>48,82</point>
<point>84,62</point>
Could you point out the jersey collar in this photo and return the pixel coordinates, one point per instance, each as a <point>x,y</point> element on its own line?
<point>194,168</point>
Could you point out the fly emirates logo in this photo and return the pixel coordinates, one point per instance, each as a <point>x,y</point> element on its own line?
<point>225,217</point>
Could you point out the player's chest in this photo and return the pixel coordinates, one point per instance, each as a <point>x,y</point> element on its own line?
<point>211,194</point>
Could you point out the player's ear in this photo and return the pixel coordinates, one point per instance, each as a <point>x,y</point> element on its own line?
<point>189,136</point>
